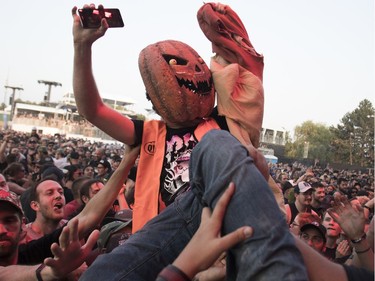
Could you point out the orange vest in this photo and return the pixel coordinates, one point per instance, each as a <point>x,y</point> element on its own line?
<point>146,203</point>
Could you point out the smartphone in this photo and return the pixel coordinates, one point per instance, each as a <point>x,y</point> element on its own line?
<point>91,18</point>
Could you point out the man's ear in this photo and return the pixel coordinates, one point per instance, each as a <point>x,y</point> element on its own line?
<point>85,199</point>
<point>34,205</point>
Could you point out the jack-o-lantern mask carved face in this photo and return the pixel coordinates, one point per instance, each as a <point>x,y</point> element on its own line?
<point>178,82</point>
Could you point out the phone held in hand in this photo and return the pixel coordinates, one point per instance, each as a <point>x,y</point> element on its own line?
<point>91,18</point>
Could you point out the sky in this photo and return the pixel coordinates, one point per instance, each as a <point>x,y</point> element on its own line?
<point>319,55</point>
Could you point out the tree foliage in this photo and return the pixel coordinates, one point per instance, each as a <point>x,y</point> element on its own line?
<point>354,137</point>
<point>313,138</point>
<point>350,142</point>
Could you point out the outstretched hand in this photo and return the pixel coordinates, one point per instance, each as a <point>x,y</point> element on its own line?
<point>87,35</point>
<point>350,218</point>
<point>69,254</point>
<point>207,244</point>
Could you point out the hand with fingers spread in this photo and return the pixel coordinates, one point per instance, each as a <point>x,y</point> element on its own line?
<point>350,218</point>
<point>352,221</point>
<point>69,254</point>
<point>207,244</point>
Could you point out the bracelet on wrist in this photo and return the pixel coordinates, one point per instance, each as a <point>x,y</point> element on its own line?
<point>172,272</point>
<point>38,272</point>
<point>356,241</point>
<point>363,251</point>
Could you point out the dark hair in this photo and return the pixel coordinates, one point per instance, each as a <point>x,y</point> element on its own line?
<point>85,188</point>
<point>362,192</point>
<point>316,184</point>
<point>340,180</point>
<point>286,185</point>
<point>71,170</point>
<point>77,185</point>
<point>87,166</point>
<point>11,158</point>
<point>13,169</point>
<point>53,173</point>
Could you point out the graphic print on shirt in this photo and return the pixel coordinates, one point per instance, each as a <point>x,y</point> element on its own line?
<point>176,166</point>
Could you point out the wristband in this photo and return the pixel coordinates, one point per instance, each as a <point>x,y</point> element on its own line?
<point>364,251</point>
<point>356,241</point>
<point>172,272</point>
<point>38,271</point>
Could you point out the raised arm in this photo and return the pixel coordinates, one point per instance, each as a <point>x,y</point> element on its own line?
<point>88,100</point>
<point>352,221</point>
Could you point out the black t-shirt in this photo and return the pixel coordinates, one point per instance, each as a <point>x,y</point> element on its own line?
<point>330,253</point>
<point>320,211</point>
<point>36,251</point>
<point>174,177</point>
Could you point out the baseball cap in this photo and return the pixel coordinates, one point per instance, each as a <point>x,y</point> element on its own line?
<point>105,163</point>
<point>113,234</point>
<point>11,198</point>
<point>124,215</point>
<point>317,226</point>
<point>303,186</point>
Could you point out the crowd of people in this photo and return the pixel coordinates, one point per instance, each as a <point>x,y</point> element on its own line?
<point>188,197</point>
<point>55,178</point>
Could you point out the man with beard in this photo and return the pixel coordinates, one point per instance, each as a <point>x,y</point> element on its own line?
<point>303,195</point>
<point>47,200</point>
<point>69,254</point>
<point>343,186</point>
<point>318,196</point>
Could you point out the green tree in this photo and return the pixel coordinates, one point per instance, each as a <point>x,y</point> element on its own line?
<point>313,139</point>
<point>353,141</point>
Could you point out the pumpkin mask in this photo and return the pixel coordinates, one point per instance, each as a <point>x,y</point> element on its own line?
<point>178,82</point>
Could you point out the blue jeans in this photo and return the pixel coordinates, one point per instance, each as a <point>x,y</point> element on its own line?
<point>270,254</point>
